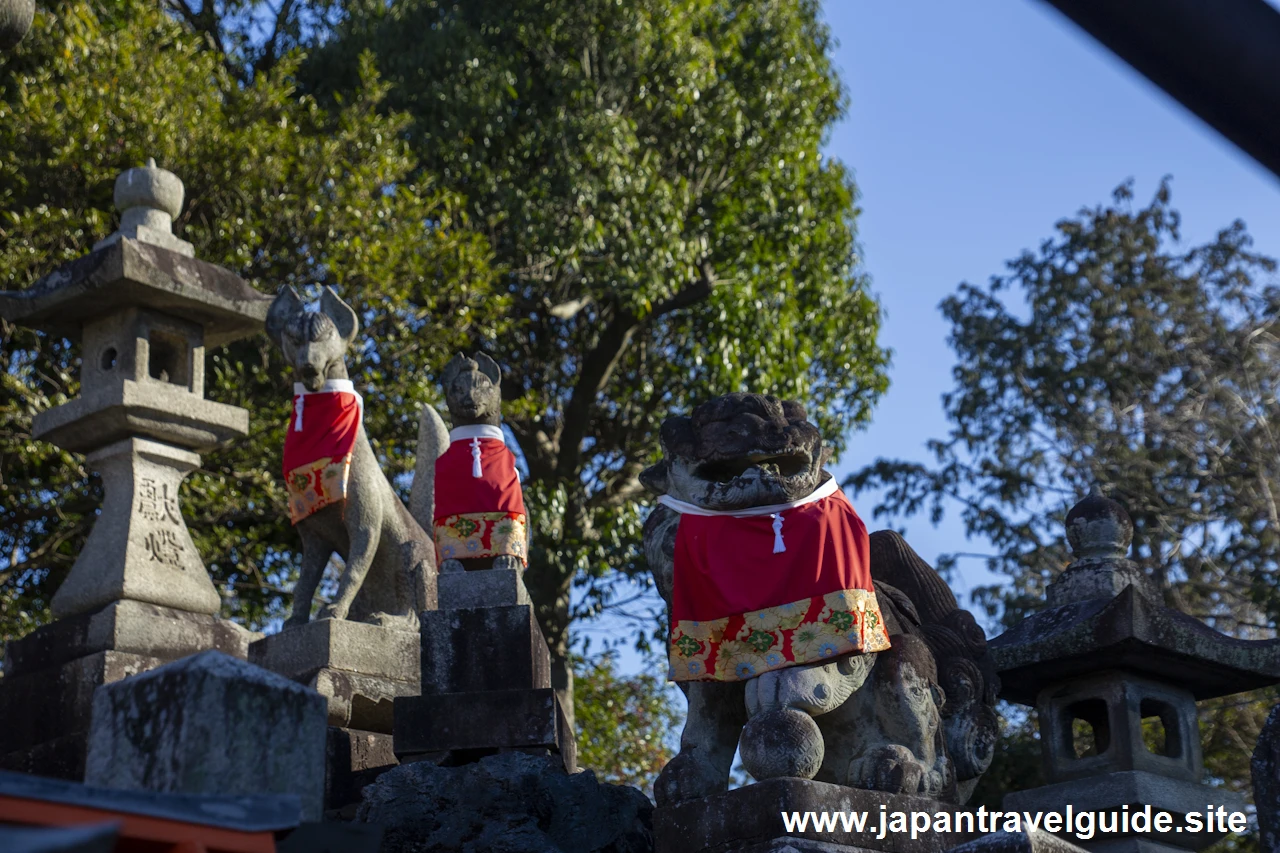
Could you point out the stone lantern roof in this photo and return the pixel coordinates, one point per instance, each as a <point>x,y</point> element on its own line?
<point>1103,614</point>
<point>142,263</point>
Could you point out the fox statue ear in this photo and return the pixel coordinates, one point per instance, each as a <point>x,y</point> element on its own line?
<point>456,365</point>
<point>489,368</point>
<point>676,436</point>
<point>285,306</point>
<point>657,478</point>
<point>342,314</point>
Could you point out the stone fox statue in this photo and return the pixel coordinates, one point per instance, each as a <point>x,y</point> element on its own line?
<point>339,499</point>
<point>826,653</point>
<point>478,517</point>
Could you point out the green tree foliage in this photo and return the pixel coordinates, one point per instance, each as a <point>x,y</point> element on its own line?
<point>1115,357</point>
<point>279,190</point>
<point>650,179</point>
<point>625,723</point>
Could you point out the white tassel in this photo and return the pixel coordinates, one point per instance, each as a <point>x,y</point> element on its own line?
<point>297,407</point>
<point>778,545</point>
<point>475,458</point>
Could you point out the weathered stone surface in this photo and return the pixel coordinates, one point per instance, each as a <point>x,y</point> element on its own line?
<point>1135,788</point>
<point>210,724</point>
<point>60,758</point>
<point>1035,841</point>
<point>56,702</point>
<point>139,547</point>
<point>1134,633</point>
<point>129,273</point>
<point>154,410</point>
<point>752,815</point>
<point>126,626</point>
<point>299,651</point>
<point>360,701</point>
<point>483,648</point>
<point>1114,703</point>
<point>498,719</point>
<point>148,199</point>
<point>511,802</point>
<point>1265,769</point>
<point>353,760</point>
<point>485,588</point>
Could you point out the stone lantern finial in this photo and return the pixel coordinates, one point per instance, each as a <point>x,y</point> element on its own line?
<point>1098,528</point>
<point>1099,532</point>
<point>149,198</point>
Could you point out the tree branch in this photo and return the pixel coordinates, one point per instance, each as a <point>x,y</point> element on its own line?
<point>599,364</point>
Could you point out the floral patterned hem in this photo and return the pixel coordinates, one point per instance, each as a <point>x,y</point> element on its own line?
<point>316,485</point>
<point>811,630</point>
<point>481,534</point>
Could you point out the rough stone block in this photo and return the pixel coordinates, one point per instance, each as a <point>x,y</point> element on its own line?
<point>483,648</point>
<point>358,647</point>
<point>51,703</point>
<point>60,758</point>
<point>1264,768</point>
<point>360,701</point>
<point>752,815</point>
<point>353,760</point>
<point>210,724</point>
<point>507,802</point>
<point>126,626</point>
<point>498,719</point>
<point>1134,788</point>
<point>485,588</point>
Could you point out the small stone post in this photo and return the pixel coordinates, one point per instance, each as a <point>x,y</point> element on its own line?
<point>210,724</point>
<point>143,309</point>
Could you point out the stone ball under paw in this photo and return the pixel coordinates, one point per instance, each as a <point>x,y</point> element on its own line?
<point>782,742</point>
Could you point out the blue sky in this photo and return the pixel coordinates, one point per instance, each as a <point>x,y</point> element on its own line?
<point>972,128</point>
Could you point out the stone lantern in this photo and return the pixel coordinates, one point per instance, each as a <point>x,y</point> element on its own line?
<point>143,309</point>
<point>1114,676</point>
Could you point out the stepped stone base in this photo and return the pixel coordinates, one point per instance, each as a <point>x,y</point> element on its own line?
<point>486,678</point>
<point>46,696</point>
<point>360,669</point>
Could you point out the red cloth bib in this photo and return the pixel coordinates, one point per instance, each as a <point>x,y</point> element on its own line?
<point>761,592</point>
<point>726,565</point>
<point>318,447</point>
<point>459,492</point>
<point>479,509</point>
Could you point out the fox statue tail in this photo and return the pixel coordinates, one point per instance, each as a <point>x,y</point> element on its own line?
<point>433,441</point>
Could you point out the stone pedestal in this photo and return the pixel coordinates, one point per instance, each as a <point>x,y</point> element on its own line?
<point>209,724</point>
<point>486,677</point>
<point>359,669</point>
<point>140,548</point>
<point>50,675</point>
<point>750,820</point>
